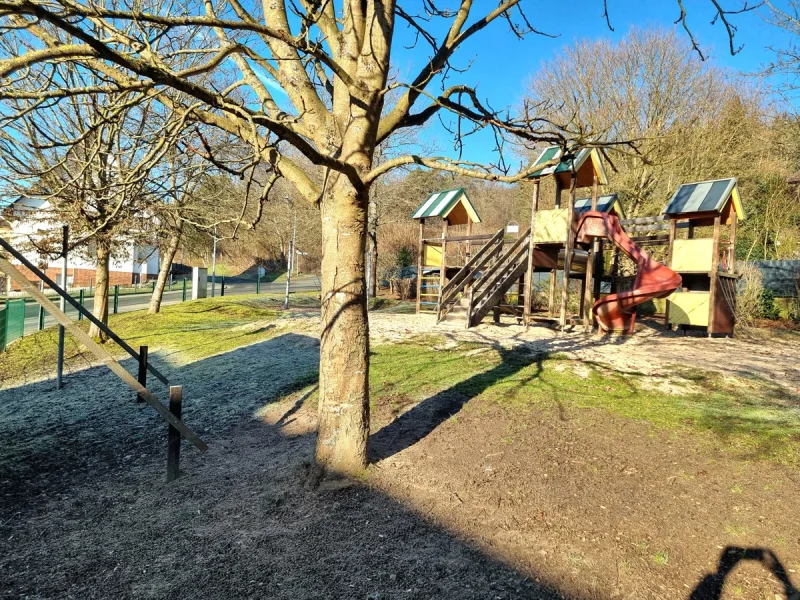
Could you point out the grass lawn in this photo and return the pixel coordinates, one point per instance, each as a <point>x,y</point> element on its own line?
<point>602,480</point>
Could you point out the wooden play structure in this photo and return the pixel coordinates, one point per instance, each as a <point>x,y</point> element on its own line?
<point>465,277</point>
<point>706,263</point>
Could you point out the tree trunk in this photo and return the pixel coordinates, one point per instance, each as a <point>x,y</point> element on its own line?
<point>344,351</point>
<point>170,251</point>
<point>100,310</point>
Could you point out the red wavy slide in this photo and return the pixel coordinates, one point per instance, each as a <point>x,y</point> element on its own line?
<point>616,312</point>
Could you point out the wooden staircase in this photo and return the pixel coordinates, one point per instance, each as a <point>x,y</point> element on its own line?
<point>483,282</point>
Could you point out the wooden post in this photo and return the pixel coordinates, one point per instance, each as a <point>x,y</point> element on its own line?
<point>673,229</point>
<point>599,270</point>
<point>732,249</point>
<point>173,435</point>
<point>142,378</point>
<point>41,317</point>
<point>420,260</point>
<point>468,253</point>
<point>558,193</point>
<point>712,300</point>
<point>443,269</point>
<point>587,299</point>
<point>551,297</point>
<point>526,309</point>
<point>568,250</point>
<point>183,295</point>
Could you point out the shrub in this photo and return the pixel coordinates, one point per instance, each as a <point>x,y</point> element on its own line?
<point>748,295</point>
<point>404,257</point>
<point>767,309</point>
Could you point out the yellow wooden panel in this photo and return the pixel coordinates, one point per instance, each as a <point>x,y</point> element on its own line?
<point>433,256</point>
<point>551,225</point>
<point>692,255</point>
<point>689,308</point>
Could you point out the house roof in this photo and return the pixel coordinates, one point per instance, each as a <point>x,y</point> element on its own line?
<point>605,204</point>
<point>441,204</point>
<point>553,163</point>
<point>705,196</point>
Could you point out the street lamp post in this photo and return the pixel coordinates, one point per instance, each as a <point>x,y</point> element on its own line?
<point>214,264</point>
<point>290,259</point>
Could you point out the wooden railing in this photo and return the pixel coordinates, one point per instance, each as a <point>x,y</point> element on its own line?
<point>468,273</point>
<point>489,279</point>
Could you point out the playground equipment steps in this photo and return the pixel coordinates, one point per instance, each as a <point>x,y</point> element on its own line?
<point>483,282</point>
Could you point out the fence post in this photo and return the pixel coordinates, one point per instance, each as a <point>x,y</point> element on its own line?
<point>174,436</point>
<point>41,317</point>
<point>154,287</point>
<point>222,290</point>
<point>258,284</point>
<point>183,299</point>
<point>80,301</point>
<point>142,370</point>
<point>116,298</point>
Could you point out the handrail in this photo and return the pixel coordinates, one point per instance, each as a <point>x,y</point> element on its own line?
<point>491,249</point>
<point>464,270</point>
<point>36,271</point>
<point>498,267</point>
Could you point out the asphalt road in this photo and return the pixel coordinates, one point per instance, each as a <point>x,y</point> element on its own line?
<point>131,302</point>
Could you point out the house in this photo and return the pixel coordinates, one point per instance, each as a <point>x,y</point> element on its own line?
<point>24,225</point>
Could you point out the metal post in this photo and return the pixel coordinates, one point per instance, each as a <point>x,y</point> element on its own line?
<point>174,436</point>
<point>80,301</point>
<point>116,298</point>
<point>222,287</point>
<point>142,370</point>
<point>153,291</point>
<point>183,298</point>
<point>63,307</point>
<point>258,282</point>
<point>41,317</point>
<point>290,257</point>
<point>214,265</point>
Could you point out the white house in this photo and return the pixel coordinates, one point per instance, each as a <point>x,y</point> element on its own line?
<point>24,222</point>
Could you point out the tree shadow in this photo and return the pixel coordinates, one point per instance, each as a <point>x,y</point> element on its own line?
<point>712,585</point>
<point>88,514</point>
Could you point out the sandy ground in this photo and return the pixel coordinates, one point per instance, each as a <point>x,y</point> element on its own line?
<point>464,500</point>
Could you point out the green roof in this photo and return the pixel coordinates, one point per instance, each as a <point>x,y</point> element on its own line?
<point>439,204</point>
<point>565,165</point>
<point>705,196</point>
<point>604,204</point>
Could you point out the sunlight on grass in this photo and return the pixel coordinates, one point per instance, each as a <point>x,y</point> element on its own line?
<point>765,424</point>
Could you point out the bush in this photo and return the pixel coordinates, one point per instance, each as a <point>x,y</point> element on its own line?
<point>794,307</point>
<point>748,295</point>
<point>767,309</point>
<point>404,257</point>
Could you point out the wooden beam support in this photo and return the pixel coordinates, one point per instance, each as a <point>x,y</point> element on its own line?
<point>100,352</point>
<point>420,260</point>
<point>570,244</point>
<point>712,299</point>
<point>526,310</point>
<point>443,269</point>
<point>673,229</point>
<point>732,249</point>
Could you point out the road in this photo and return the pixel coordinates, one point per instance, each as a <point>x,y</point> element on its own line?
<point>131,302</point>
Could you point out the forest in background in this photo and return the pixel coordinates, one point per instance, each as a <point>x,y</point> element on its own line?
<point>691,121</point>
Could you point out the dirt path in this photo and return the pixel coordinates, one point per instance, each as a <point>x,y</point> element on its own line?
<point>492,503</point>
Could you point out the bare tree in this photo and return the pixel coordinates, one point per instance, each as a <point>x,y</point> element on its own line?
<point>331,61</point>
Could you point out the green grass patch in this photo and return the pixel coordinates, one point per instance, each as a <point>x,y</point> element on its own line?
<point>189,331</point>
<point>761,424</point>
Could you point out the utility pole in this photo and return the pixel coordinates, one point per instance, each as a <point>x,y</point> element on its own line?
<point>214,264</point>
<point>60,364</point>
<point>290,264</point>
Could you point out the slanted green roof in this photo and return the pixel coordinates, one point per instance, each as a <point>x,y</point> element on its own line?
<point>705,196</point>
<point>440,204</point>
<point>569,164</point>
<point>605,204</point>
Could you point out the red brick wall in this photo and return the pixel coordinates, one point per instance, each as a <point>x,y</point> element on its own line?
<point>78,277</point>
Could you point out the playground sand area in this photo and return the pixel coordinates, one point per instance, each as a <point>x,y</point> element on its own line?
<point>468,495</point>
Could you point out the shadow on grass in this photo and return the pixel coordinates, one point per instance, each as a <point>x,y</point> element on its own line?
<point>85,512</point>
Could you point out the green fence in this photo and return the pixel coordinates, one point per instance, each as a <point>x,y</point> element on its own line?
<point>12,323</point>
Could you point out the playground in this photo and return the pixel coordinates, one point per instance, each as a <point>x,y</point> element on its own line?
<point>505,463</point>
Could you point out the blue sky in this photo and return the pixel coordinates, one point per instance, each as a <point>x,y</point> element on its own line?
<point>501,63</point>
